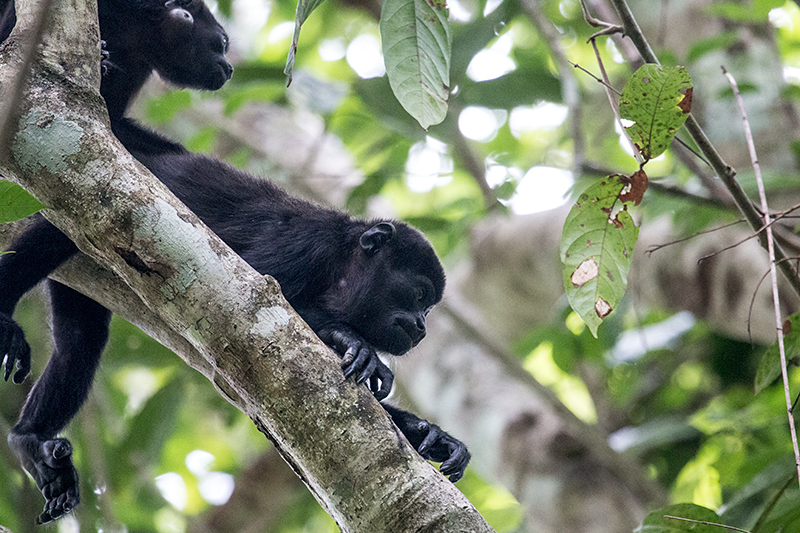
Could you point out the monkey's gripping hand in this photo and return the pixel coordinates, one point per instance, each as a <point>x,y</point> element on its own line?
<point>50,464</point>
<point>432,442</point>
<point>14,349</point>
<point>441,447</point>
<point>359,359</point>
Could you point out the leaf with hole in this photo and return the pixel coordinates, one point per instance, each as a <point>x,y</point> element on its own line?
<point>658,100</point>
<point>597,246</point>
<point>416,51</point>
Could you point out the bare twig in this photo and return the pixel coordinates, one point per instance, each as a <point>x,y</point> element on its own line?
<point>706,523</point>
<point>614,105</point>
<point>605,84</point>
<point>773,274</point>
<point>657,247</point>
<point>753,300</point>
<point>607,27</point>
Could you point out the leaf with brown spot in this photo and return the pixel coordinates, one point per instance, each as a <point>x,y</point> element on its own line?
<point>657,99</point>
<point>598,237</point>
<point>686,103</point>
<point>586,271</point>
<point>635,191</point>
<point>602,308</point>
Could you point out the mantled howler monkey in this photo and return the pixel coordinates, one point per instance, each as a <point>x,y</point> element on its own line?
<point>362,286</point>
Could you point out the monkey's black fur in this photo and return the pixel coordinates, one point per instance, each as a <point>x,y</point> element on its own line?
<point>362,286</point>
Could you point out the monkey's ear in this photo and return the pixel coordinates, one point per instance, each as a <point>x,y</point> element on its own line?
<point>177,13</point>
<point>377,236</point>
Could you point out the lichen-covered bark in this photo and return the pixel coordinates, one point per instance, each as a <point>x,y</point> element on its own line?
<point>165,271</point>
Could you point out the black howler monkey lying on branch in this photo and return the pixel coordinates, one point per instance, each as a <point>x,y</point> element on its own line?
<point>362,286</point>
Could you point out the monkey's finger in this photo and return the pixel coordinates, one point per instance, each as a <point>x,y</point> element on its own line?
<point>387,379</point>
<point>455,465</point>
<point>372,363</point>
<point>348,358</point>
<point>23,359</point>
<point>362,358</point>
<point>430,439</point>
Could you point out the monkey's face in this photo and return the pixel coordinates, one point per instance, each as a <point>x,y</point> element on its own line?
<point>194,46</point>
<point>389,289</point>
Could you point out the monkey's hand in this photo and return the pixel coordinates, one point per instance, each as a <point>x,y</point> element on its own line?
<point>431,442</point>
<point>50,464</point>
<point>359,359</point>
<point>14,349</point>
<point>441,447</point>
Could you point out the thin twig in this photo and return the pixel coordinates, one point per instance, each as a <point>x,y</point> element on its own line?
<point>753,300</point>
<point>615,106</point>
<point>773,273</point>
<point>607,27</point>
<point>657,247</point>
<point>703,522</point>
<point>608,86</point>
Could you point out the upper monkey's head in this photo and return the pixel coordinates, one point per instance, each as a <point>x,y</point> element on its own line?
<point>191,46</point>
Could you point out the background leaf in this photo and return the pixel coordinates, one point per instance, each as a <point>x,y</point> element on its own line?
<point>416,49</point>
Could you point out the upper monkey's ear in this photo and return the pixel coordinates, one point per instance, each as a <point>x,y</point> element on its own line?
<point>377,236</point>
<point>178,13</point>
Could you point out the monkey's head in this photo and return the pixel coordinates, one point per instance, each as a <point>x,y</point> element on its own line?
<point>191,46</point>
<point>393,281</point>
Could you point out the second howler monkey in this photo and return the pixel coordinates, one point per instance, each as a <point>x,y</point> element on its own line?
<point>362,286</point>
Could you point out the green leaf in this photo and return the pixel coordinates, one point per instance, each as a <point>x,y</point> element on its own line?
<point>304,9</point>
<point>416,50</point>
<point>715,42</point>
<point>770,366</point>
<point>756,11</point>
<point>656,522</point>
<point>511,90</point>
<point>597,246</point>
<point>658,99</point>
<point>16,203</point>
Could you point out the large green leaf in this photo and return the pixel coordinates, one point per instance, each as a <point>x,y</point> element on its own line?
<point>658,99</point>
<point>770,366</point>
<point>597,246</point>
<point>416,50</point>
<point>16,203</point>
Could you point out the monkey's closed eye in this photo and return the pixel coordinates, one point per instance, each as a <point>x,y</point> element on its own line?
<point>419,293</point>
